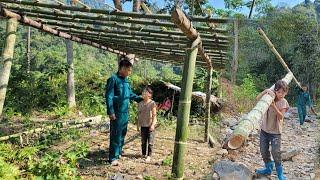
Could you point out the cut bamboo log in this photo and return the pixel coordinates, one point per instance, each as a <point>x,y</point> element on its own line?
<point>198,94</point>
<point>6,61</point>
<point>276,53</point>
<point>90,120</point>
<point>251,121</point>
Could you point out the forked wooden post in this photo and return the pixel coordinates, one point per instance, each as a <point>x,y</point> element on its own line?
<point>184,112</point>
<point>6,61</point>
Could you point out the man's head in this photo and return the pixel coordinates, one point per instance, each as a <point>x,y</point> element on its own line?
<point>304,87</point>
<point>125,66</point>
<point>281,89</point>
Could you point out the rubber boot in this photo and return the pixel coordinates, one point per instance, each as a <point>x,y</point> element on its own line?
<point>267,170</point>
<point>280,172</point>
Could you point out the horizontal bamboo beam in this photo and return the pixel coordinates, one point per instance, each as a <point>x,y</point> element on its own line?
<point>8,14</point>
<point>138,38</point>
<point>138,47</point>
<point>138,31</point>
<point>117,13</point>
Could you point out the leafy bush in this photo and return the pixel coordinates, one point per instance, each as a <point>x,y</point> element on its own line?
<point>245,94</point>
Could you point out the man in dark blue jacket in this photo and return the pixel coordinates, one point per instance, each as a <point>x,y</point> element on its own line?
<point>118,96</point>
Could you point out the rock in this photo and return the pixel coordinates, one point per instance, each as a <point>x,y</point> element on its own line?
<point>289,154</point>
<point>222,152</point>
<point>215,176</point>
<point>312,176</point>
<point>117,177</point>
<point>139,177</point>
<point>227,170</point>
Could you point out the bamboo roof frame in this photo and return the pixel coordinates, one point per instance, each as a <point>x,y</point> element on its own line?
<point>156,37</point>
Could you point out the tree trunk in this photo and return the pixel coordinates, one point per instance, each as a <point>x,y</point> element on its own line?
<point>117,4</point>
<point>70,77</point>
<point>136,5</point>
<point>184,113</point>
<point>250,122</point>
<point>28,49</point>
<point>7,56</point>
<point>235,52</point>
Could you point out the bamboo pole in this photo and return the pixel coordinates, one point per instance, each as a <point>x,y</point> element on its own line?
<point>208,105</point>
<point>7,56</point>
<point>90,120</point>
<point>117,13</point>
<point>184,111</point>
<point>250,122</point>
<point>276,53</point>
<point>136,30</point>
<point>181,21</point>
<point>4,12</point>
<point>28,51</point>
<point>112,37</point>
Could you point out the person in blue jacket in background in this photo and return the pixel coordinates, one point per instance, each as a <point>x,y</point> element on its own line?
<point>118,96</point>
<point>303,100</point>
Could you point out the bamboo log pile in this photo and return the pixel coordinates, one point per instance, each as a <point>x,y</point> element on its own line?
<point>197,94</point>
<point>72,124</point>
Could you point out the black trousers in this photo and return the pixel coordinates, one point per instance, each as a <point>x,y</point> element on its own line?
<point>275,140</point>
<point>147,139</point>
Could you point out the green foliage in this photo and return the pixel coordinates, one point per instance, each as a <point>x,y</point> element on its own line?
<point>149,178</point>
<point>167,161</point>
<point>245,94</point>
<point>8,171</point>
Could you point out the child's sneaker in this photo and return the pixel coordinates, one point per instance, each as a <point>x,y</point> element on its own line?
<point>148,159</point>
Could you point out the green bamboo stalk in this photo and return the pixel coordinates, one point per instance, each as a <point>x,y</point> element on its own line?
<point>7,56</point>
<point>183,113</point>
<point>208,105</point>
<point>250,122</point>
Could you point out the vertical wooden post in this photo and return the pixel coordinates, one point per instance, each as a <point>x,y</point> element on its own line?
<point>184,112</point>
<point>7,56</point>
<point>70,77</point>
<point>28,49</point>
<point>235,52</point>
<point>208,104</point>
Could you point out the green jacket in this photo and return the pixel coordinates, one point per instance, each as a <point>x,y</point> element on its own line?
<point>303,98</point>
<point>118,95</point>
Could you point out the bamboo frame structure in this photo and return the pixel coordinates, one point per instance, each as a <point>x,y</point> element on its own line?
<point>100,27</point>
